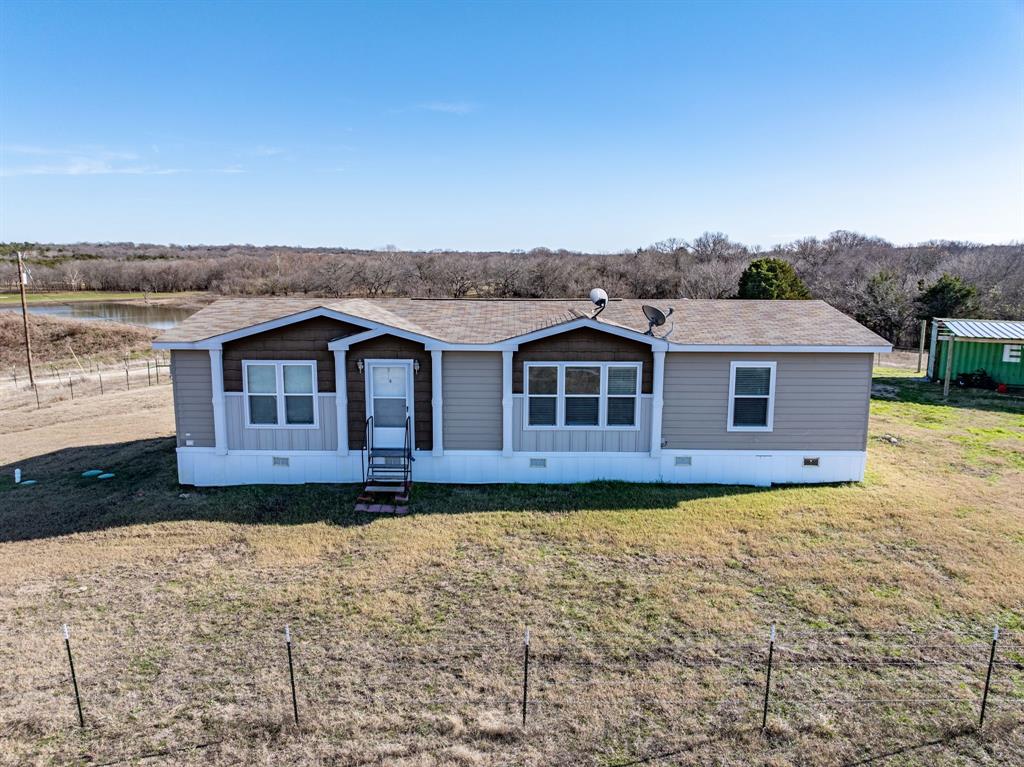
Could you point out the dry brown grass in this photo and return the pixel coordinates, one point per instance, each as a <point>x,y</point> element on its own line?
<point>649,607</point>
<point>54,338</point>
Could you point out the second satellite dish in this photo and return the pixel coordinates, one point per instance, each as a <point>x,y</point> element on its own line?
<point>655,317</point>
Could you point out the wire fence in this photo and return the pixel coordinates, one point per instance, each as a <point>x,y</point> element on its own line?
<point>89,378</point>
<point>870,690</point>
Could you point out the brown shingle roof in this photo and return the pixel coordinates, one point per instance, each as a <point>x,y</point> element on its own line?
<point>695,321</point>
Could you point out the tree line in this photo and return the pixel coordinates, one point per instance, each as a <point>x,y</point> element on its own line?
<point>885,286</point>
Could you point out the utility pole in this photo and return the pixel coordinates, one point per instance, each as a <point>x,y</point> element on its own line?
<point>22,281</point>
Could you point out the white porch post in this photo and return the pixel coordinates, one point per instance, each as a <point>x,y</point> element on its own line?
<point>658,402</point>
<point>437,401</point>
<point>506,403</point>
<point>220,426</point>
<point>341,400</point>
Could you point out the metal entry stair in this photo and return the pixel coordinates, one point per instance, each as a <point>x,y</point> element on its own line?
<point>387,475</point>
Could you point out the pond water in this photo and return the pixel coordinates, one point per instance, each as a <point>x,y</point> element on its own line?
<point>154,316</point>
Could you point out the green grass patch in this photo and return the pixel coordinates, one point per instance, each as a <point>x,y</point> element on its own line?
<point>64,297</point>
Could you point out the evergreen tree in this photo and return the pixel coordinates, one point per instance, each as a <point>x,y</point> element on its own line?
<point>948,296</point>
<point>771,278</point>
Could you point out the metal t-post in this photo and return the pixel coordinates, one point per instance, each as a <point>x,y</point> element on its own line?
<point>291,672</point>
<point>768,678</point>
<point>988,676</point>
<point>526,671</point>
<point>74,679</point>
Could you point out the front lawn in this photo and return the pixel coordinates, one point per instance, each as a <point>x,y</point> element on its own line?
<point>649,608</point>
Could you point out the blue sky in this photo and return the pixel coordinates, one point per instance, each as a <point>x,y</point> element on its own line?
<point>499,125</point>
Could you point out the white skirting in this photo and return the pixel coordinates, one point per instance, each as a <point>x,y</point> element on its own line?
<point>205,467</point>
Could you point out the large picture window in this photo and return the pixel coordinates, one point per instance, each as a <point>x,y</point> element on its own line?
<point>751,396</point>
<point>280,394</point>
<point>582,395</point>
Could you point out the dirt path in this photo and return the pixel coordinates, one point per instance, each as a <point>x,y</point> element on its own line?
<point>26,433</point>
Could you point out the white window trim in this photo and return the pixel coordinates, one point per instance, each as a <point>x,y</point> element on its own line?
<point>279,394</point>
<point>602,395</point>
<point>1013,350</point>
<point>733,366</point>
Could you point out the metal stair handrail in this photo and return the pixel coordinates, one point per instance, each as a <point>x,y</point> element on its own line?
<point>364,460</point>
<point>408,453</point>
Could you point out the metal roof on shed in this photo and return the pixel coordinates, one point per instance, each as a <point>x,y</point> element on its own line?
<point>993,329</point>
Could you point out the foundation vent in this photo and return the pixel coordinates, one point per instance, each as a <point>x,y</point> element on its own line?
<point>684,460</point>
<point>281,460</point>
<point>538,463</point>
<point>811,461</point>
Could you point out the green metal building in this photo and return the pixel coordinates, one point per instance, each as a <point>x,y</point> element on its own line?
<point>995,346</point>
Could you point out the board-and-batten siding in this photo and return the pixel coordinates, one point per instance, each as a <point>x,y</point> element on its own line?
<point>193,397</point>
<point>821,402</point>
<point>324,437</point>
<point>389,347</point>
<point>581,440</point>
<point>471,386</point>
<point>584,345</point>
<point>306,340</point>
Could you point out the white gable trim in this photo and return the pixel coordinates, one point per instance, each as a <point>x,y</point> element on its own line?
<point>583,322</point>
<point>376,328</point>
<point>345,342</point>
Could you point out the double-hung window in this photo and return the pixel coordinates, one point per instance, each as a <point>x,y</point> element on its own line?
<point>582,394</point>
<point>280,393</point>
<point>542,402</point>
<point>751,396</point>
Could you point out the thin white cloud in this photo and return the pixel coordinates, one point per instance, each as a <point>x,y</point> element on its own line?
<point>97,153</point>
<point>449,107</point>
<point>268,151</point>
<point>88,167</point>
<point>53,161</point>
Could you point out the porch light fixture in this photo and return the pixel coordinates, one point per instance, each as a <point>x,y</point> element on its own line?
<point>359,366</point>
<point>415,366</point>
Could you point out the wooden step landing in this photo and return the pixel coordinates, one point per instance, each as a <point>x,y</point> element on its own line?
<point>382,508</point>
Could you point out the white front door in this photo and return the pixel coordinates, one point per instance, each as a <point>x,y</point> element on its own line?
<point>389,400</point>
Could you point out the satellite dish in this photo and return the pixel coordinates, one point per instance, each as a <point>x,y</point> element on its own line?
<point>655,317</point>
<point>600,299</point>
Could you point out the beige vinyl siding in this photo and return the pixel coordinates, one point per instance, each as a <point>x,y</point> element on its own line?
<point>581,440</point>
<point>193,397</point>
<point>471,386</point>
<point>821,402</point>
<point>240,437</point>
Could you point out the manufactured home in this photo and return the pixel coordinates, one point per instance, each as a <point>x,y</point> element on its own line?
<point>288,390</point>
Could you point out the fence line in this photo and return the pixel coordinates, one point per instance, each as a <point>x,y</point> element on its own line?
<point>539,686</point>
<point>56,384</point>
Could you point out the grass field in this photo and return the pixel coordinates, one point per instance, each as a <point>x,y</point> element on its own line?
<point>72,296</point>
<point>649,607</point>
